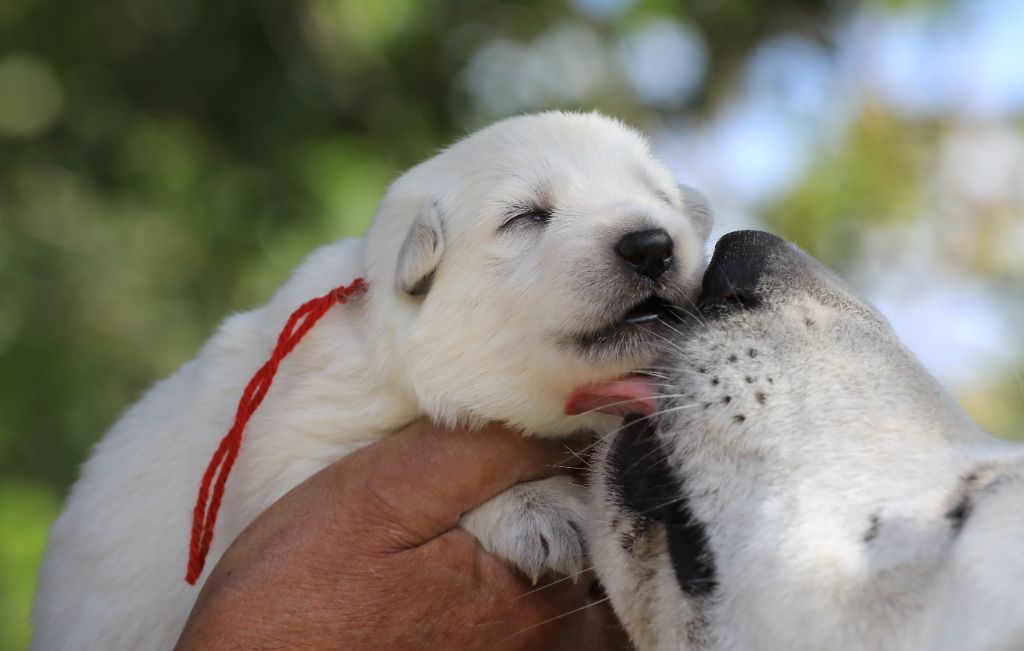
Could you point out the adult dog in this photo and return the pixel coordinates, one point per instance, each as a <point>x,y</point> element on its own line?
<point>807,484</point>
<point>534,257</point>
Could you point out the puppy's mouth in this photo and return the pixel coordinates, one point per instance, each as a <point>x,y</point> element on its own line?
<point>651,309</point>
<point>633,334</point>
<point>643,315</point>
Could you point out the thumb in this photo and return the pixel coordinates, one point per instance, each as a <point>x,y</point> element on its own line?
<point>421,480</point>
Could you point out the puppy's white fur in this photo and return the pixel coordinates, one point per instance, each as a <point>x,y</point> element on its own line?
<point>844,500</point>
<point>473,315</point>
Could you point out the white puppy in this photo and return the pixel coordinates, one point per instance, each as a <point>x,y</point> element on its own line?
<point>807,484</point>
<point>534,257</point>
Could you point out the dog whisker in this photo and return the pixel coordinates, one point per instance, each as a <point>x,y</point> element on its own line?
<point>558,617</point>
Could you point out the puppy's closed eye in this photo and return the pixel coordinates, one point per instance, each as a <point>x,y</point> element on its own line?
<point>527,216</point>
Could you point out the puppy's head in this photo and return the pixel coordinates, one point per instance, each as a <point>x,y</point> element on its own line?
<point>802,480</point>
<point>542,253</point>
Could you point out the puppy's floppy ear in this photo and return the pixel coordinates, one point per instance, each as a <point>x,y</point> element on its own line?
<point>698,208</point>
<point>421,251</point>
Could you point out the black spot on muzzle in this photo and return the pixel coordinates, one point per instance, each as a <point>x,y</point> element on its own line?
<point>639,474</point>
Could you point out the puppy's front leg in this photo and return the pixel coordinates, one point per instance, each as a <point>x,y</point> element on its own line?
<point>536,526</point>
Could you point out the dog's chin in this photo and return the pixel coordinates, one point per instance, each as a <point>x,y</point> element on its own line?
<point>635,337</point>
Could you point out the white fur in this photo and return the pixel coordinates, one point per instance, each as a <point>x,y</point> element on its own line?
<point>481,338</point>
<point>828,509</point>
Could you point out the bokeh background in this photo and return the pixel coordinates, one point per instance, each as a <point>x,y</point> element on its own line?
<point>166,162</point>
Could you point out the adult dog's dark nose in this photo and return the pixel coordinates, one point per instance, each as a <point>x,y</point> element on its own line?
<point>648,252</point>
<point>741,260</point>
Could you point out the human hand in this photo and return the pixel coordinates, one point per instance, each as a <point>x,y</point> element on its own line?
<point>367,555</point>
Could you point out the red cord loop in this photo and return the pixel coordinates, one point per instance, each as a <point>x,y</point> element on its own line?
<point>204,516</point>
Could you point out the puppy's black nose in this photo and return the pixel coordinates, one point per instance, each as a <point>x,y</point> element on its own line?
<point>741,260</point>
<point>648,252</point>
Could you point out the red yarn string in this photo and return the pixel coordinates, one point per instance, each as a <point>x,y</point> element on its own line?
<point>204,517</point>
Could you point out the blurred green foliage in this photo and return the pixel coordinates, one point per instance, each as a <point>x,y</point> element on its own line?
<point>26,511</point>
<point>201,150</point>
<point>853,189</point>
<point>164,162</point>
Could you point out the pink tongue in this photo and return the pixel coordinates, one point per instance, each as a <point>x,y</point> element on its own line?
<point>632,394</point>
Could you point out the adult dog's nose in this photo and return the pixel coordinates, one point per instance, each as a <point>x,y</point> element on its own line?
<point>648,252</point>
<point>742,259</point>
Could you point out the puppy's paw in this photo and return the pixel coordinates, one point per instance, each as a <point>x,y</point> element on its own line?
<point>536,526</point>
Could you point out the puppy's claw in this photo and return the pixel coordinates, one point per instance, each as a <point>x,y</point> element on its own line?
<point>536,527</point>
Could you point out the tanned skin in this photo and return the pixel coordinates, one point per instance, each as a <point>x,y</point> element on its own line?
<point>366,555</point>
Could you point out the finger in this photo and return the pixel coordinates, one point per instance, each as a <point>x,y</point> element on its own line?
<point>423,478</point>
